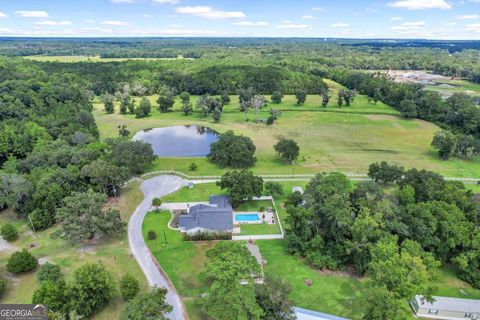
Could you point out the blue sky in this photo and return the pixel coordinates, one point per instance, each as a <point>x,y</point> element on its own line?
<point>433,19</point>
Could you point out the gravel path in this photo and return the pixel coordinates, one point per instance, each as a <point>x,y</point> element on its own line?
<point>151,188</point>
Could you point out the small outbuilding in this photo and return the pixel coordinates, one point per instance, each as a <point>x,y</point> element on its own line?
<point>298,189</point>
<point>446,308</point>
<point>305,314</point>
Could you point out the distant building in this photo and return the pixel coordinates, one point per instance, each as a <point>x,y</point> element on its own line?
<point>304,314</point>
<point>217,216</point>
<point>446,308</point>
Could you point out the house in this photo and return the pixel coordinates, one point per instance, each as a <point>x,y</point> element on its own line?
<point>304,314</point>
<point>216,216</point>
<point>446,308</point>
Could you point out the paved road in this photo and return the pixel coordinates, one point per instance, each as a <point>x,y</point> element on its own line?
<point>151,188</point>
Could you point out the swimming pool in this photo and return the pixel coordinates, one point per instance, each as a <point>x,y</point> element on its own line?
<point>247,217</point>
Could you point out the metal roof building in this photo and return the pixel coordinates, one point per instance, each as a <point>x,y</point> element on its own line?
<point>304,314</point>
<point>446,308</point>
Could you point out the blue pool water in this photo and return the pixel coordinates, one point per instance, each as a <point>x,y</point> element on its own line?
<point>247,217</point>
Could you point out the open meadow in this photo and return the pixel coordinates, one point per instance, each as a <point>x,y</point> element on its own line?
<point>346,139</point>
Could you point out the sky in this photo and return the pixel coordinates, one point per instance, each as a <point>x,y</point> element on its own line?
<point>426,19</point>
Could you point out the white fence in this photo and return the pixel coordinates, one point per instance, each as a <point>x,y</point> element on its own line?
<point>259,237</point>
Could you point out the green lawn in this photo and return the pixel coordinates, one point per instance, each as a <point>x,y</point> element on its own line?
<point>183,262</point>
<point>114,254</point>
<point>345,139</point>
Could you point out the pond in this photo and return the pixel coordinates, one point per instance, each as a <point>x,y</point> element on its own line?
<point>179,141</point>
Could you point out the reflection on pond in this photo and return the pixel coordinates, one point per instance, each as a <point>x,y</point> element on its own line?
<point>179,141</point>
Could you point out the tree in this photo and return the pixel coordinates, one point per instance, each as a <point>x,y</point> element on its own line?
<point>123,131</point>
<point>408,108</point>
<point>245,95</point>
<point>105,177</point>
<point>258,102</point>
<point>294,199</point>
<point>203,104</point>
<point>445,143</point>
<point>232,151</point>
<point>185,97</point>
<point>21,261</point>
<point>82,217</point>
<point>144,108</point>
<point>225,98</point>
<point>273,189</point>
<point>277,97</point>
<point>93,287</point>
<point>347,95</point>
<point>3,286</point>
<point>385,173</point>
<point>149,305</point>
<point>301,96</point>
<point>135,156</point>
<point>131,107</point>
<point>229,263</point>
<point>165,103</point>
<point>274,115</point>
<point>272,297</point>
<point>325,99</point>
<point>381,304</point>
<point>49,272</point>
<point>129,287</point>
<point>9,232</point>
<point>216,114</point>
<point>287,149</point>
<point>340,99</point>
<point>54,294</point>
<point>241,186</point>
<point>107,100</point>
<point>157,203</point>
<point>16,192</point>
<point>405,271</point>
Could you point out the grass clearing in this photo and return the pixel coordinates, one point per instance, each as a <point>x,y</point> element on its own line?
<point>114,254</point>
<point>344,139</point>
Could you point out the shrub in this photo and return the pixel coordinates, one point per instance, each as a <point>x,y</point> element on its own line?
<point>49,271</point>
<point>54,294</point>
<point>21,261</point>
<point>3,285</point>
<point>273,189</point>
<point>9,232</point>
<point>193,167</point>
<point>262,209</point>
<point>152,235</point>
<point>208,236</point>
<point>129,287</point>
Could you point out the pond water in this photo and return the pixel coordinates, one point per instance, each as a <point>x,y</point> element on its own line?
<point>179,141</point>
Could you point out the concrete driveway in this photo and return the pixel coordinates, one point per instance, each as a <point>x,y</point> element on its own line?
<point>152,188</point>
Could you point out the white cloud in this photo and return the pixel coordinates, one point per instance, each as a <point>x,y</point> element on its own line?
<point>146,15</point>
<point>115,23</point>
<point>32,14</point>
<point>251,23</point>
<point>396,18</point>
<point>295,26</point>
<point>166,1</point>
<point>340,25</point>
<point>468,17</point>
<point>53,23</point>
<point>123,1</point>
<point>473,27</point>
<point>210,13</point>
<point>89,21</point>
<point>421,4</point>
<point>415,24</point>
<point>320,9</point>
<point>450,24</point>
<point>308,17</point>
<point>3,15</point>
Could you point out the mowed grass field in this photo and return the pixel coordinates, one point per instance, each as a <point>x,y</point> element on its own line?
<point>114,254</point>
<point>345,139</point>
<point>338,293</point>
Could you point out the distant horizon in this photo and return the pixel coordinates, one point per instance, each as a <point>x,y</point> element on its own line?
<point>360,19</point>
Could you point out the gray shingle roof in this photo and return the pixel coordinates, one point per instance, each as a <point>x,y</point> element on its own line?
<point>217,216</point>
<point>450,304</point>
